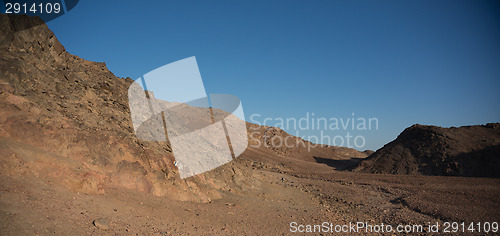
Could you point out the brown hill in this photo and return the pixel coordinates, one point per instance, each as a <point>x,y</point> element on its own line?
<point>68,118</point>
<point>472,151</point>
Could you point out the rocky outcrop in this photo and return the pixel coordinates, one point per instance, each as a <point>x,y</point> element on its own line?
<point>68,118</point>
<point>472,151</point>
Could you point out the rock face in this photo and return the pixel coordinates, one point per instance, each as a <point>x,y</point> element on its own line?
<point>472,151</point>
<point>67,119</point>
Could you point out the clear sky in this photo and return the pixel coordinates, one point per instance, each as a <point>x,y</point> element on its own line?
<point>402,62</point>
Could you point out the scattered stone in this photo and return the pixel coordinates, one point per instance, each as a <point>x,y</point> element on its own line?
<point>101,223</point>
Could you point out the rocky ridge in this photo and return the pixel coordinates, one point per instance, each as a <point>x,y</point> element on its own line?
<point>472,151</point>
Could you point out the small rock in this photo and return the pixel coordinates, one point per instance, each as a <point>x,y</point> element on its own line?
<point>101,223</point>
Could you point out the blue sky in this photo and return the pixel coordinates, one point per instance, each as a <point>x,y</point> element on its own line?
<point>403,62</point>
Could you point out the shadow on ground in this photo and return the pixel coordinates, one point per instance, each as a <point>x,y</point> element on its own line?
<point>339,164</point>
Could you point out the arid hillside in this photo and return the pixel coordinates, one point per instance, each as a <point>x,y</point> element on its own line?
<point>64,116</point>
<point>472,151</point>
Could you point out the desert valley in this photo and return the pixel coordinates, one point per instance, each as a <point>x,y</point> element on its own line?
<point>71,164</point>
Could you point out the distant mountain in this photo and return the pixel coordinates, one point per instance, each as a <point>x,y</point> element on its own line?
<point>472,151</point>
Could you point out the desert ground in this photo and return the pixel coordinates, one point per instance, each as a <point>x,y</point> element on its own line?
<point>310,195</point>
